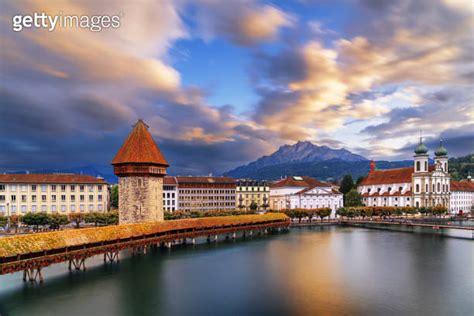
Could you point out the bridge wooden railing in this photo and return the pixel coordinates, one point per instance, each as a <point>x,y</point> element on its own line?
<point>30,253</point>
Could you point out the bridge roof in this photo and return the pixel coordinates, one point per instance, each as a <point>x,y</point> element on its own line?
<point>31,243</point>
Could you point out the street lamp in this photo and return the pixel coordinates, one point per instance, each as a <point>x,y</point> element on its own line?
<point>8,217</point>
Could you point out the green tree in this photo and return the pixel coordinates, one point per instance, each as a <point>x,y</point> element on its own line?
<point>352,198</point>
<point>3,220</point>
<point>92,217</point>
<point>57,220</point>
<point>253,206</point>
<point>36,219</point>
<point>114,196</point>
<point>347,184</point>
<point>324,212</point>
<point>76,218</point>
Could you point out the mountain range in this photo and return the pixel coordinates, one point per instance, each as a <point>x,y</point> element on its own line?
<point>305,158</point>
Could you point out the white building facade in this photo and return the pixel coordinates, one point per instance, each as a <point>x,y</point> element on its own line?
<point>422,185</point>
<point>170,194</point>
<point>304,192</point>
<point>462,196</point>
<point>52,193</point>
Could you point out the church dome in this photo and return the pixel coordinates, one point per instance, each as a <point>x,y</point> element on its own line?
<point>441,151</point>
<point>421,149</point>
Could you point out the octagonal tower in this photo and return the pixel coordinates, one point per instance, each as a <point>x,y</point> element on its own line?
<point>140,166</point>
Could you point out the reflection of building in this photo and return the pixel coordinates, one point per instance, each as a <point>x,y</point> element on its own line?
<point>462,196</point>
<point>252,191</point>
<point>421,185</point>
<point>140,167</point>
<point>304,192</point>
<point>205,193</point>
<point>52,193</point>
<point>170,194</point>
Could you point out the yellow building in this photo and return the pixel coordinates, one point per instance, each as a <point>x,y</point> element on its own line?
<point>250,192</point>
<point>52,193</point>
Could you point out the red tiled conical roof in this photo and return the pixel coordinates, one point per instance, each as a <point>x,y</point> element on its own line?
<point>139,147</point>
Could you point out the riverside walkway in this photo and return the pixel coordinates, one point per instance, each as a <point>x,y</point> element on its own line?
<point>31,253</point>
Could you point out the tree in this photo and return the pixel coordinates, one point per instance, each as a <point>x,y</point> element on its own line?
<point>92,217</point>
<point>352,198</point>
<point>324,212</point>
<point>341,212</point>
<point>76,218</point>
<point>36,219</point>
<point>347,184</point>
<point>3,220</point>
<point>114,196</point>
<point>56,220</point>
<point>253,206</point>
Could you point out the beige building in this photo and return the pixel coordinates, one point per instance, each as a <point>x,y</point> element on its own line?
<point>52,193</point>
<point>252,191</point>
<point>205,193</point>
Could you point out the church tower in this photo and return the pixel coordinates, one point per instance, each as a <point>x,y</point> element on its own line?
<point>441,157</point>
<point>421,178</point>
<point>140,167</point>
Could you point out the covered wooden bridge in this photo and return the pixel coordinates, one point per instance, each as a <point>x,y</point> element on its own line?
<point>30,253</point>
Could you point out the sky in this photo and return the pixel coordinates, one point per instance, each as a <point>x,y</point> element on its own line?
<point>221,83</point>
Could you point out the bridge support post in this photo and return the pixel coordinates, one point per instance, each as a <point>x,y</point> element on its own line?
<point>209,238</point>
<point>32,275</point>
<point>78,263</point>
<point>215,238</point>
<point>111,256</point>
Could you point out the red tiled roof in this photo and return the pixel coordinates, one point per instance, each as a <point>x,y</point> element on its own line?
<point>462,186</point>
<point>305,182</point>
<point>387,176</point>
<point>207,180</point>
<point>168,180</point>
<point>49,178</point>
<point>139,147</point>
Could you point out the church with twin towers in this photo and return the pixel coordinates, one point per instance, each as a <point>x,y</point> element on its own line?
<point>422,185</point>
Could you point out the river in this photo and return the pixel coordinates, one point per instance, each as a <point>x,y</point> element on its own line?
<point>308,271</point>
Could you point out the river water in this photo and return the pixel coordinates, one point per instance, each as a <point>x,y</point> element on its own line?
<point>308,271</point>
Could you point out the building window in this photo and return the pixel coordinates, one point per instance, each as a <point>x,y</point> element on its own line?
<point>63,208</point>
<point>91,198</point>
<point>43,198</point>
<point>82,207</point>
<point>417,188</point>
<point>53,198</point>
<point>33,198</point>
<point>73,198</point>
<point>2,198</point>
<point>73,208</point>
<point>23,198</point>
<point>2,187</point>
<point>91,207</point>
<point>13,198</point>
<point>24,188</point>
<point>81,198</point>
<point>53,188</point>
<point>81,188</point>
<point>23,208</point>
<point>418,166</point>
<point>53,208</point>
<point>63,188</point>
<point>99,187</point>
<point>44,208</point>
<point>99,198</point>
<point>13,188</point>
<point>99,207</point>
<point>33,208</point>
<point>63,198</point>
<point>73,188</point>
<point>91,188</point>
<point>43,188</point>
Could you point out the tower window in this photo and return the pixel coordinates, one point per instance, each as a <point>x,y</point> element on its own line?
<point>418,166</point>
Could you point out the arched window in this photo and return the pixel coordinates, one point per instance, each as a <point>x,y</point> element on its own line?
<point>418,166</point>
<point>417,188</point>
<point>426,165</point>
<point>427,187</point>
<point>439,187</point>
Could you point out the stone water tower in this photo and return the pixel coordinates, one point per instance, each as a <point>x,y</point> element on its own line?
<point>140,166</point>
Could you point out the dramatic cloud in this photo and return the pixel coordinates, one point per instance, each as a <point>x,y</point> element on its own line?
<point>69,97</point>
<point>243,22</point>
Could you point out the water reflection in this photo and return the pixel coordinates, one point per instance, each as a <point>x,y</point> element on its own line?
<point>309,271</point>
